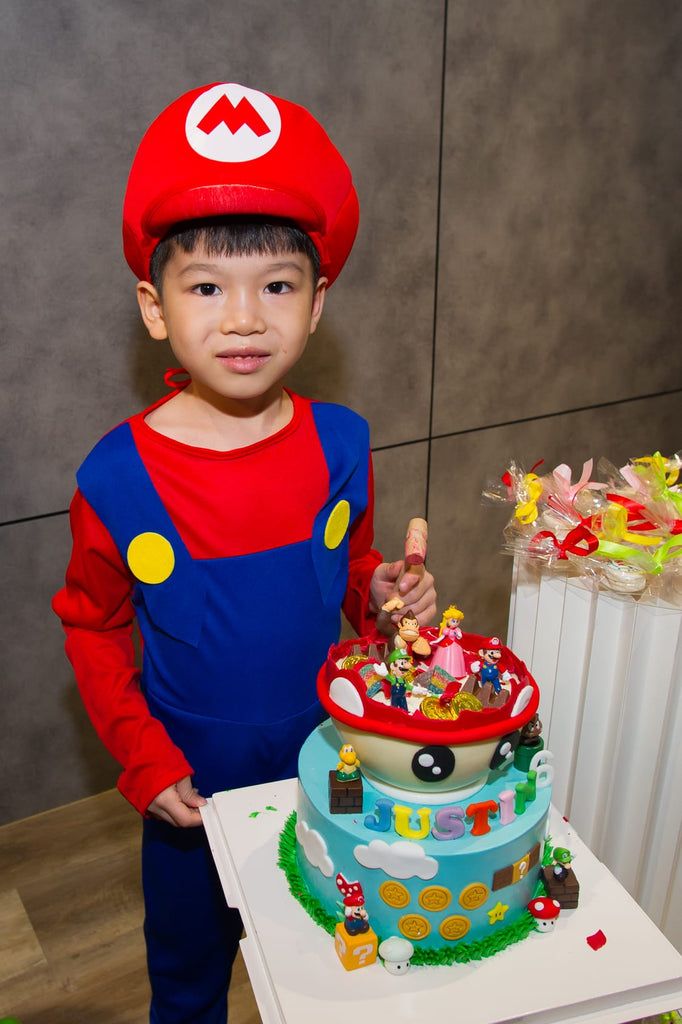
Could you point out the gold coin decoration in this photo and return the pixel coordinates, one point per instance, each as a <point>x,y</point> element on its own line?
<point>352,660</point>
<point>435,898</point>
<point>455,927</point>
<point>474,895</point>
<point>433,707</point>
<point>414,926</point>
<point>465,701</point>
<point>394,894</point>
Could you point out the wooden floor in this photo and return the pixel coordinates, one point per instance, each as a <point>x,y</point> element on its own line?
<point>71,945</point>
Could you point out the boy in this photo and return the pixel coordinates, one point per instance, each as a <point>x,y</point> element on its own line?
<point>233,519</point>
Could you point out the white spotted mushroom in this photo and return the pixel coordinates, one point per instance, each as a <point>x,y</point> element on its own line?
<point>395,953</point>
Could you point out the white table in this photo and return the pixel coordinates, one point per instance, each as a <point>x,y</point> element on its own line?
<point>546,979</point>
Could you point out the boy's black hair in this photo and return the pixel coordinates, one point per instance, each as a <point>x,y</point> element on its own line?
<point>233,236</point>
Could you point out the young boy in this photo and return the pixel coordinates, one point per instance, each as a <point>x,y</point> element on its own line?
<point>233,519</point>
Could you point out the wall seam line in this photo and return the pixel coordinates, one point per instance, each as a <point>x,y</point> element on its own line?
<point>437,256</point>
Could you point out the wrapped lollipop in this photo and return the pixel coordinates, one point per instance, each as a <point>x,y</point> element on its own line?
<point>621,526</point>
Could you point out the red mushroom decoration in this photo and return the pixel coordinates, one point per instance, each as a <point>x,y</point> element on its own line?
<point>545,911</point>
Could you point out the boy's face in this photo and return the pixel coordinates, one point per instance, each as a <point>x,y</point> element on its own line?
<point>237,324</point>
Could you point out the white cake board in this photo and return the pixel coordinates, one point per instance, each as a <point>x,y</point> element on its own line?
<point>546,979</point>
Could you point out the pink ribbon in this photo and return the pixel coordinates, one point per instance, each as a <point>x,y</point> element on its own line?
<point>565,492</point>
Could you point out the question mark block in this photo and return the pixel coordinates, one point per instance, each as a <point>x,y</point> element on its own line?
<point>355,950</point>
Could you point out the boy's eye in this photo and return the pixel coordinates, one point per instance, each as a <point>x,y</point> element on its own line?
<point>277,287</point>
<point>206,289</point>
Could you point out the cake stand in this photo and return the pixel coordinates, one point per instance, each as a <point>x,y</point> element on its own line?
<point>548,978</point>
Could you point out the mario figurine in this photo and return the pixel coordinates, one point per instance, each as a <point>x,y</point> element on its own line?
<point>356,919</point>
<point>488,666</point>
<point>354,940</point>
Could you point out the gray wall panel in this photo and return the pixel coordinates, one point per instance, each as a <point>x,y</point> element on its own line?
<point>560,253</point>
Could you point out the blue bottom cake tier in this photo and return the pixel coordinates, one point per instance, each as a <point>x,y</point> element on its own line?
<point>452,872</point>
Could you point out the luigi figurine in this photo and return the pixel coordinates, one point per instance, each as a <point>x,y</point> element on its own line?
<point>562,863</point>
<point>399,665</point>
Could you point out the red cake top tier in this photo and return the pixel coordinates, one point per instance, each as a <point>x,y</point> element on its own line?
<point>494,695</point>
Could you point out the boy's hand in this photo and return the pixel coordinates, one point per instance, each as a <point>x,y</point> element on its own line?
<point>416,591</point>
<point>178,805</point>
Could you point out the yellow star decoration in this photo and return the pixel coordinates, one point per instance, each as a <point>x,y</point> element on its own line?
<point>498,912</point>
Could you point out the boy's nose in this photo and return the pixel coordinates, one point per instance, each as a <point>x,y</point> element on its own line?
<point>242,316</point>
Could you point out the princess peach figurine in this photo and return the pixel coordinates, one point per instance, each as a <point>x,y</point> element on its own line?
<point>447,652</point>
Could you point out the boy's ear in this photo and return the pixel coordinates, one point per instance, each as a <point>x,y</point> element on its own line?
<point>149,302</point>
<point>318,303</point>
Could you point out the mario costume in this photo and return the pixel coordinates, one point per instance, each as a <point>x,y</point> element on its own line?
<point>235,564</point>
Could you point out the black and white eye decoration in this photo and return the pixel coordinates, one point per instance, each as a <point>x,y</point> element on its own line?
<point>433,764</point>
<point>505,750</point>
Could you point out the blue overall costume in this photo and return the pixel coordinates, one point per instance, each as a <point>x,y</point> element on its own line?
<point>232,647</point>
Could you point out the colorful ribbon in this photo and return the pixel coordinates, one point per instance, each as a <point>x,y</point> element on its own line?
<point>525,491</point>
<point>640,526</point>
<point>671,549</point>
<point>667,470</point>
<point>624,521</point>
<point>527,511</point>
<point>562,478</point>
<point>655,477</point>
<point>652,562</point>
<point>579,541</point>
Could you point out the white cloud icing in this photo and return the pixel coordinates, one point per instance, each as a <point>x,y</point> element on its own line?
<point>315,848</point>
<point>399,860</point>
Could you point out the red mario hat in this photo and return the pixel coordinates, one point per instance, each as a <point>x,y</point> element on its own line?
<point>226,149</point>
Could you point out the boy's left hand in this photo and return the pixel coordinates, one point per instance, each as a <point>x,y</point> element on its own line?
<point>416,590</point>
<point>178,805</point>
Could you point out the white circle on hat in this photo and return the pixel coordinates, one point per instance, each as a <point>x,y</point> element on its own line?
<point>231,123</point>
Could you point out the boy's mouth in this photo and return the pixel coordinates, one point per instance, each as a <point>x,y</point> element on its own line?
<point>243,360</point>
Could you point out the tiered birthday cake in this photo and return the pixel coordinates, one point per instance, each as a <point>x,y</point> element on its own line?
<point>423,802</point>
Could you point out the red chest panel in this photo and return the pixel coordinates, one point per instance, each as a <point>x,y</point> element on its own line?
<point>252,499</point>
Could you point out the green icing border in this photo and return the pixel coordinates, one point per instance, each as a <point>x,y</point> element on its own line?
<point>460,952</point>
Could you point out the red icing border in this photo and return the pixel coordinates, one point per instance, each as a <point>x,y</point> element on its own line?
<point>388,721</point>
